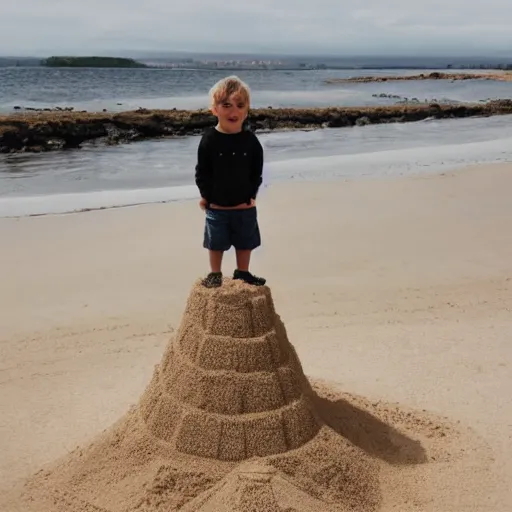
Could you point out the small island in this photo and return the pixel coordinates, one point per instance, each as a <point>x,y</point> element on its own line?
<point>92,62</point>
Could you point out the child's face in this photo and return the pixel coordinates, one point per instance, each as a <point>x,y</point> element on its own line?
<point>231,113</point>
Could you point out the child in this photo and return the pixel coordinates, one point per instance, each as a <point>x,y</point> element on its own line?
<point>228,174</point>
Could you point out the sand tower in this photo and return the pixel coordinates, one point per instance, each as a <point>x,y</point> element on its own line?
<point>230,387</point>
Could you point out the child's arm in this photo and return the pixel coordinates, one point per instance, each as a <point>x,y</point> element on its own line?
<point>203,174</point>
<point>256,167</point>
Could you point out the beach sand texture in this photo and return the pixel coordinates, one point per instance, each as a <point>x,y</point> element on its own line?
<point>384,387</point>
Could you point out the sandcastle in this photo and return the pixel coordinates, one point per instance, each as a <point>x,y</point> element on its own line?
<point>230,387</point>
<point>229,422</point>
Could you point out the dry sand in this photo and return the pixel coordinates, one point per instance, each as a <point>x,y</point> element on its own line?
<point>401,322</point>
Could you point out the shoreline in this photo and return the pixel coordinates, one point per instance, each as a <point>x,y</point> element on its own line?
<point>60,130</point>
<point>426,147</point>
<point>381,165</point>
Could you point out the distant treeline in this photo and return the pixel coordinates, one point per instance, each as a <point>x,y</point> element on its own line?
<point>91,62</point>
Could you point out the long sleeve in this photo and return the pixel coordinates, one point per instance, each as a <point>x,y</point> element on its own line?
<point>203,170</point>
<point>256,167</point>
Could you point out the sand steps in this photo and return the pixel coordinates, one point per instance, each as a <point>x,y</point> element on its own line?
<point>230,386</point>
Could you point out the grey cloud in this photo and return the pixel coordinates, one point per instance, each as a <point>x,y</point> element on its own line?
<point>354,26</point>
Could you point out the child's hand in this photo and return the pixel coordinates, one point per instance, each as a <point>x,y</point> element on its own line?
<point>203,203</point>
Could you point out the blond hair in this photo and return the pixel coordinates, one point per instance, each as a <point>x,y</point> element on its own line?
<point>228,86</point>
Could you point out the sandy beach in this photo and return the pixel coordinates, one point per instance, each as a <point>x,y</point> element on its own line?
<point>397,290</point>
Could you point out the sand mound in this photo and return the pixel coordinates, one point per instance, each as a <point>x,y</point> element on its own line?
<point>255,487</point>
<point>230,422</point>
<point>230,387</point>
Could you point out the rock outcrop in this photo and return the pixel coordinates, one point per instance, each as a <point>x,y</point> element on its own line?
<point>46,131</point>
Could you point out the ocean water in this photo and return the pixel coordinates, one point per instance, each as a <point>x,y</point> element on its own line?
<point>163,170</point>
<point>125,89</point>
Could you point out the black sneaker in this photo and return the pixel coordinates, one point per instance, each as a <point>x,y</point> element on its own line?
<point>247,277</point>
<point>213,280</point>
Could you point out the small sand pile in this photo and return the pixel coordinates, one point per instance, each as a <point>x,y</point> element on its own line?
<point>253,487</point>
<point>230,422</point>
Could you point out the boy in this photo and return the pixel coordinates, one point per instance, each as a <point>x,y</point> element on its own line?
<point>228,174</point>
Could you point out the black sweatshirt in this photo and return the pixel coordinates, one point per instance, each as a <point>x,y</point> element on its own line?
<point>229,167</point>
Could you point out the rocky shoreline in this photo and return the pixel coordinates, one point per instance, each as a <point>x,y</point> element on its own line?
<point>435,75</point>
<point>47,131</point>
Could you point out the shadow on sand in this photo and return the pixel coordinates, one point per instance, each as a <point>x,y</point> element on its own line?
<point>376,438</point>
<point>364,430</point>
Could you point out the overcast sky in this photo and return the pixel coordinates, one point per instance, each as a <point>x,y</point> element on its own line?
<point>43,27</point>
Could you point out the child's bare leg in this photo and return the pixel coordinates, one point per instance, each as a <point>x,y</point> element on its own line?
<point>243,258</point>
<point>214,278</point>
<point>216,260</point>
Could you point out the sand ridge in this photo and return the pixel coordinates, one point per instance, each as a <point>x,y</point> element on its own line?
<point>214,433</point>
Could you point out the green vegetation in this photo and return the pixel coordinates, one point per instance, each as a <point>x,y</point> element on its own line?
<point>92,62</point>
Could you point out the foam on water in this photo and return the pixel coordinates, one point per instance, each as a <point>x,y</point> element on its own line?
<point>393,162</point>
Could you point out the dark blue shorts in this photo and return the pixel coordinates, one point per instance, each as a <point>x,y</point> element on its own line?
<point>226,228</point>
